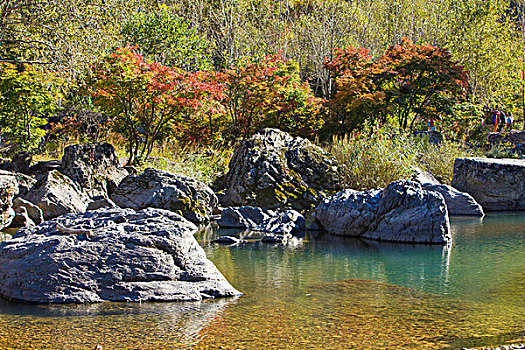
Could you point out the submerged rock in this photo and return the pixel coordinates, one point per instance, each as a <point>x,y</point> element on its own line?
<point>267,221</point>
<point>94,166</point>
<point>402,212</point>
<point>275,170</point>
<point>496,184</point>
<point>56,194</point>
<point>109,255</point>
<point>160,189</point>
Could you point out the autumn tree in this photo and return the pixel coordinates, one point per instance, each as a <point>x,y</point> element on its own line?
<point>408,81</point>
<point>146,101</point>
<point>269,93</point>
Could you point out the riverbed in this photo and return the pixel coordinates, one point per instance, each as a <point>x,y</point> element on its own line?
<point>328,293</point>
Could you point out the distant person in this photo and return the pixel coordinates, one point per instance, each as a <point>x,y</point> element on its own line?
<point>431,126</point>
<point>501,122</point>
<point>509,121</point>
<point>495,118</point>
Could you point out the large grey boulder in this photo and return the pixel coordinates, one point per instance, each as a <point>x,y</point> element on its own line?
<point>496,184</point>
<point>94,166</point>
<point>8,190</point>
<point>402,212</point>
<point>24,182</point>
<point>109,255</point>
<point>267,221</point>
<point>458,203</point>
<point>56,194</point>
<point>160,189</point>
<point>275,170</point>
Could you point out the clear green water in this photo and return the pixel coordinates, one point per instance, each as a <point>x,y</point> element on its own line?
<point>329,293</point>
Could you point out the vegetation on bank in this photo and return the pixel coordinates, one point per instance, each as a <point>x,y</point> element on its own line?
<point>358,77</point>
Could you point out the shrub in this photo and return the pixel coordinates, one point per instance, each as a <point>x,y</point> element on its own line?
<point>374,158</point>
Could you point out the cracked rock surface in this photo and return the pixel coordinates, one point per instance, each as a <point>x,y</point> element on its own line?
<point>402,212</point>
<point>109,255</point>
<point>160,189</point>
<point>274,170</point>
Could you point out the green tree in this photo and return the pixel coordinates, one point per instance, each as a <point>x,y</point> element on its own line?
<point>165,37</point>
<point>27,95</point>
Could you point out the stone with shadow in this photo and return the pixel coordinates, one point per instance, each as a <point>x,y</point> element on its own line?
<point>273,170</point>
<point>109,255</point>
<point>402,212</point>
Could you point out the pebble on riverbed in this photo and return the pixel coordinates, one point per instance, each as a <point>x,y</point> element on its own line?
<point>503,347</point>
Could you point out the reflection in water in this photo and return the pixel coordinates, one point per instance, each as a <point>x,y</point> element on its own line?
<point>112,325</point>
<point>329,293</point>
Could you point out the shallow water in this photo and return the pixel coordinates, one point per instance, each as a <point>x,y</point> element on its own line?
<point>329,293</point>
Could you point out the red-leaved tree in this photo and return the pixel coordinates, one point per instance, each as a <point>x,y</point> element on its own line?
<point>269,93</point>
<point>147,102</point>
<point>406,82</point>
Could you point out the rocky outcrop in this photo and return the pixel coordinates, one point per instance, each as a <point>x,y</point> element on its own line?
<point>94,166</point>
<point>256,219</point>
<point>275,170</point>
<point>101,203</point>
<point>434,137</point>
<point>514,137</point>
<point>458,203</point>
<point>24,182</point>
<point>56,194</point>
<point>109,255</point>
<point>22,219</point>
<point>160,189</point>
<point>402,212</point>
<point>8,189</point>
<point>20,163</point>
<point>496,184</point>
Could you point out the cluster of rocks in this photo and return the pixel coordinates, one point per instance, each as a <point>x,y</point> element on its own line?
<point>106,234</point>
<point>278,227</point>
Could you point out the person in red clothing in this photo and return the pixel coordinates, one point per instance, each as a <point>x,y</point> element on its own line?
<point>430,125</point>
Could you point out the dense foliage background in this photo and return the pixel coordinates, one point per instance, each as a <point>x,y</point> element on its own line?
<point>208,71</point>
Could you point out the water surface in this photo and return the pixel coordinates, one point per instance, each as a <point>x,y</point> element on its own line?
<point>329,293</point>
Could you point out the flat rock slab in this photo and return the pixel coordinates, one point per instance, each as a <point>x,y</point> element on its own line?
<point>402,212</point>
<point>496,184</point>
<point>109,255</point>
